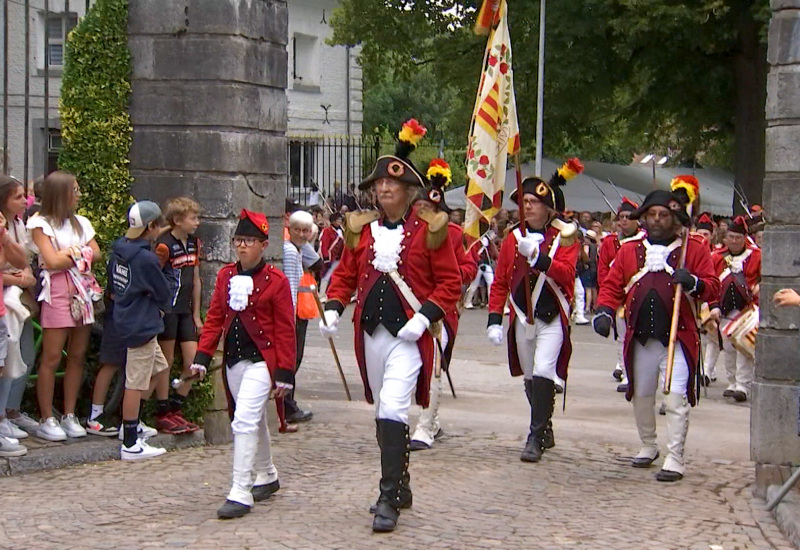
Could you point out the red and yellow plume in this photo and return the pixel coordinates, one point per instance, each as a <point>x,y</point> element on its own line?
<point>412,132</point>
<point>439,170</point>
<point>689,184</point>
<point>629,203</point>
<point>570,169</point>
<point>486,17</point>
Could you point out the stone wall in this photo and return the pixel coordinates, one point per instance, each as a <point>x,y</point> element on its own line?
<point>209,112</point>
<point>774,441</point>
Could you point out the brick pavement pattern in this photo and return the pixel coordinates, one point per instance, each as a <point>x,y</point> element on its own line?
<point>470,490</point>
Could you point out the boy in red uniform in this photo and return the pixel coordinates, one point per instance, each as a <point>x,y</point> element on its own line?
<point>539,350</point>
<point>406,277</point>
<point>252,309</point>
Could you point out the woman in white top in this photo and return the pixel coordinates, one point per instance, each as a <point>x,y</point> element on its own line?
<point>60,236</point>
<point>21,353</point>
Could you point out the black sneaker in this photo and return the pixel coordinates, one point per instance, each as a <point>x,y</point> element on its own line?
<point>101,426</point>
<point>299,416</point>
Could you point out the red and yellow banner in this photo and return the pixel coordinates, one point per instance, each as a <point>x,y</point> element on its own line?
<point>495,129</point>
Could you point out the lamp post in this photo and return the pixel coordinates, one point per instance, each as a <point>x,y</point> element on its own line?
<point>652,158</point>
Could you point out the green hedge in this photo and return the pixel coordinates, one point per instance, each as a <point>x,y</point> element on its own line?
<point>95,125</point>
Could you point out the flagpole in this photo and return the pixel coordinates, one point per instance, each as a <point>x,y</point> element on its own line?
<point>523,229</point>
<point>540,91</point>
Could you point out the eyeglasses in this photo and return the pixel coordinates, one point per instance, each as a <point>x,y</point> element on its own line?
<point>623,217</point>
<point>246,241</point>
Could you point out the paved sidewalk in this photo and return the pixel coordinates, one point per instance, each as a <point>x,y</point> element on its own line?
<point>470,491</point>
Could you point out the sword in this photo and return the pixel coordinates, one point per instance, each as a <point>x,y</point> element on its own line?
<point>178,382</point>
<point>330,341</point>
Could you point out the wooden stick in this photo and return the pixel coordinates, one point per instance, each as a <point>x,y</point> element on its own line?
<point>330,341</point>
<point>676,311</point>
<point>523,224</point>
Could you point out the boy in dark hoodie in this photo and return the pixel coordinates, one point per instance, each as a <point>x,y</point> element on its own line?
<point>141,293</point>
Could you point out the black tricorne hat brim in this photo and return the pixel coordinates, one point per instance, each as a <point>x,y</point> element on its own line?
<point>396,168</point>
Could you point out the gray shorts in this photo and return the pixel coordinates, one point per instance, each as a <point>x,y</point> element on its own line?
<point>3,341</point>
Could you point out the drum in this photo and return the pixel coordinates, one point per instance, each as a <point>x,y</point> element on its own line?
<point>742,331</point>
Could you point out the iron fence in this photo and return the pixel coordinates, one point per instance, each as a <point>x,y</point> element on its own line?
<point>331,166</point>
<point>34,38</point>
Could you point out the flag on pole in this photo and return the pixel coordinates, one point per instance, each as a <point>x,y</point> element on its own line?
<point>495,130</point>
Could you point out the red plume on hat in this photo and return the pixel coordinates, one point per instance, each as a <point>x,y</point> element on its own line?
<point>705,221</point>
<point>252,224</point>
<point>738,225</point>
<point>627,205</point>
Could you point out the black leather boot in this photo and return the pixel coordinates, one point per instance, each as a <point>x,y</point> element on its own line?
<point>548,438</point>
<point>394,462</point>
<point>405,498</point>
<point>542,396</point>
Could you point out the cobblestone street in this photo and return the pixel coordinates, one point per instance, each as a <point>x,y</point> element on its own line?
<point>470,491</point>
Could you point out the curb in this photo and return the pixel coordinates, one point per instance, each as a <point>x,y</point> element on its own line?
<point>787,514</point>
<point>90,451</point>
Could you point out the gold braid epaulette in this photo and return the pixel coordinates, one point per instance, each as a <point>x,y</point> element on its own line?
<point>437,228</point>
<point>354,222</point>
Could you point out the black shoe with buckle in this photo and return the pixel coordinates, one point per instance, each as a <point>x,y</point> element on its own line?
<point>668,476</point>
<point>643,461</point>
<point>231,510</point>
<point>263,492</point>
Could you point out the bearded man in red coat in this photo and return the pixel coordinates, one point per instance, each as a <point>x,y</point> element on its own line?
<point>405,275</point>
<point>643,279</point>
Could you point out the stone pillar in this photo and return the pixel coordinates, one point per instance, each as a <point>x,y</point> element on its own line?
<point>209,117</point>
<point>774,441</point>
<point>209,112</point>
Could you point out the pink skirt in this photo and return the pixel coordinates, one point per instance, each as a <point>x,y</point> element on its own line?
<point>56,314</point>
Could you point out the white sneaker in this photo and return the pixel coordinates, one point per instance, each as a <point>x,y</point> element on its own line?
<point>8,429</point>
<point>142,430</point>
<point>580,319</point>
<point>11,447</point>
<point>140,450</point>
<point>24,421</point>
<point>50,430</point>
<point>71,426</point>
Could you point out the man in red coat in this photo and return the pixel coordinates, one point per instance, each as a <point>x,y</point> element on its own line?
<point>643,279</point>
<point>710,338</point>
<point>738,266</point>
<point>428,426</point>
<point>252,309</point>
<point>406,277</point>
<point>331,245</point>
<point>539,350</point>
<point>628,230</point>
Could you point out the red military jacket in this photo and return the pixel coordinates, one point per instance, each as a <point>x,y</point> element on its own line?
<point>750,258</point>
<point>468,267</point>
<point>608,251</point>
<point>511,268</point>
<point>331,244</point>
<point>629,263</point>
<point>268,319</point>
<point>432,273</point>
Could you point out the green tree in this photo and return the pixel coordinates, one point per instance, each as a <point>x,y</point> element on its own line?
<point>95,125</point>
<point>621,75</point>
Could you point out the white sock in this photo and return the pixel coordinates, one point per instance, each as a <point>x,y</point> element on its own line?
<point>97,410</point>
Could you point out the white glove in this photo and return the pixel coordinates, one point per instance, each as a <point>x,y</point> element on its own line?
<point>414,328</point>
<point>284,385</point>
<point>528,246</point>
<point>495,334</point>
<point>332,320</point>
<point>198,370</point>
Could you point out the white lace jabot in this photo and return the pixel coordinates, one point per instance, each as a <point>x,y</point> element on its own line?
<point>387,247</point>
<point>241,287</point>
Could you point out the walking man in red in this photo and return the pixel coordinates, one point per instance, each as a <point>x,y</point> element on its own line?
<point>540,350</point>
<point>406,277</point>
<point>643,279</point>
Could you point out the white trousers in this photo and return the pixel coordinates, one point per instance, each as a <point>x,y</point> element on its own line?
<point>538,347</point>
<point>250,385</point>
<point>580,298</point>
<point>711,352</point>
<point>740,369</point>
<point>621,329</point>
<point>650,364</point>
<point>485,272</point>
<point>428,424</point>
<point>392,369</point>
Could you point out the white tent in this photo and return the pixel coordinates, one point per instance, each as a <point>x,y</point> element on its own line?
<point>634,182</point>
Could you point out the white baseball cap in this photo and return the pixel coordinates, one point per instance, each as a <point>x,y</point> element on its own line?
<point>140,215</point>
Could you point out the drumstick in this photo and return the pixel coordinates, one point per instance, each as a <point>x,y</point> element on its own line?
<point>177,382</point>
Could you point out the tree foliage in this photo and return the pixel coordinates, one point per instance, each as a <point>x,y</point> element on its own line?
<point>621,75</point>
<point>95,125</point>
